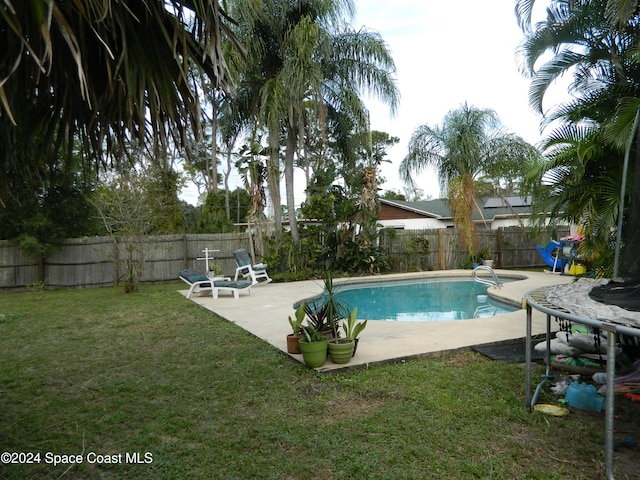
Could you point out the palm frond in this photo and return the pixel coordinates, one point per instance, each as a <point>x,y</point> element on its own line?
<point>618,12</point>
<point>620,129</point>
<point>99,74</point>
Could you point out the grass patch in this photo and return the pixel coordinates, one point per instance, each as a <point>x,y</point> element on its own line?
<point>96,371</point>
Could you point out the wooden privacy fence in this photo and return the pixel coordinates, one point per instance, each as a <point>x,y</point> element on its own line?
<point>98,261</point>
<point>512,247</point>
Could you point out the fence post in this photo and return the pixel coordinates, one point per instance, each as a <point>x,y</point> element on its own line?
<point>441,259</point>
<point>185,251</point>
<point>116,261</point>
<point>41,266</point>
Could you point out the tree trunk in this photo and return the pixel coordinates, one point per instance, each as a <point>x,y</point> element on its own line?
<point>227,205</point>
<point>461,200</point>
<point>288,179</point>
<point>230,142</point>
<point>273,180</point>
<point>214,149</point>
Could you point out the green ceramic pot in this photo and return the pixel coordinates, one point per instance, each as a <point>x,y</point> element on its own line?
<point>314,354</point>
<point>341,350</point>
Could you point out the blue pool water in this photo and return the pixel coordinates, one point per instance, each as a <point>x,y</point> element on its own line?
<point>421,300</point>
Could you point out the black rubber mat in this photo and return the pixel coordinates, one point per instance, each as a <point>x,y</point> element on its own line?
<point>508,352</point>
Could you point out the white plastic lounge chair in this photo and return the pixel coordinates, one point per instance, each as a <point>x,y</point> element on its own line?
<point>249,270</point>
<point>198,283</point>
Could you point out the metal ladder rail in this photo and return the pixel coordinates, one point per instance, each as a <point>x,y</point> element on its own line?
<point>493,282</point>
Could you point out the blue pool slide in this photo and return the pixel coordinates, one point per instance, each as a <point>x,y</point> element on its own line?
<point>547,253</point>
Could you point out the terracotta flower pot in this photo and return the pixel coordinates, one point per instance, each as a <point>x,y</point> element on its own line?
<point>293,343</point>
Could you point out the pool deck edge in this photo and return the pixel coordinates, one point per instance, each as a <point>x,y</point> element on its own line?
<point>264,314</point>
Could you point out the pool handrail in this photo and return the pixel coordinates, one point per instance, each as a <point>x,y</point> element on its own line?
<point>493,282</point>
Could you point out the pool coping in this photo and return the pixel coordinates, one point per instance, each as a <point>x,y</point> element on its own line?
<point>264,314</point>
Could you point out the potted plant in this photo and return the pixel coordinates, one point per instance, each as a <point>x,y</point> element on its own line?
<point>215,270</point>
<point>341,349</point>
<point>293,338</point>
<point>318,319</point>
<point>352,328</point>
<point>336,310</point>
<point>323,319</point>
<point>472,261</point>
<point>325,314</point>
<point>486,258</point>
<point>313,346</point>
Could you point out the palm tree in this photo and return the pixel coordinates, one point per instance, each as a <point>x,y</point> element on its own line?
<point>580,184</point>
<point>349,63</point>
<point>468,144</point>
<point>88,77</point>
<point>595,44</point>
<point>306,69</point>
<point>599,58</point>
<point>616,12</point>
<point>254,172</point>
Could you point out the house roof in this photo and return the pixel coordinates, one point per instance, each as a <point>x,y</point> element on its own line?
<point>491,207</point>
<point>429,208</point>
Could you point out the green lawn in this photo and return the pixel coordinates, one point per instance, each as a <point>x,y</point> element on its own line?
<point>107,376</point>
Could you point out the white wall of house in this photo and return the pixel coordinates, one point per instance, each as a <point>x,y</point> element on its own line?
<point>498,223</point>
<point>414,223</point>
<point>431,223</point>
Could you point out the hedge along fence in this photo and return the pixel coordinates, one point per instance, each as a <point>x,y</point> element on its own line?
<point>98,261</point>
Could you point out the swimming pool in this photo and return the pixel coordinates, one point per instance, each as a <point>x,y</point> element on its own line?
<point>421,300</point>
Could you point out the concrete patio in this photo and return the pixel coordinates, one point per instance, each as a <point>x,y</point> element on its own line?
<point>264,314</point>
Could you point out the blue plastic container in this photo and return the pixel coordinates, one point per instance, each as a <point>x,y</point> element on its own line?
<point>585,397</point>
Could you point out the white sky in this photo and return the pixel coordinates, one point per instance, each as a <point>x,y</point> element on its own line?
<point>446,53</point>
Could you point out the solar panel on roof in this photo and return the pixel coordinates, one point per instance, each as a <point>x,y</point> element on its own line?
<point>504,202</point>
<point>494,203</point>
